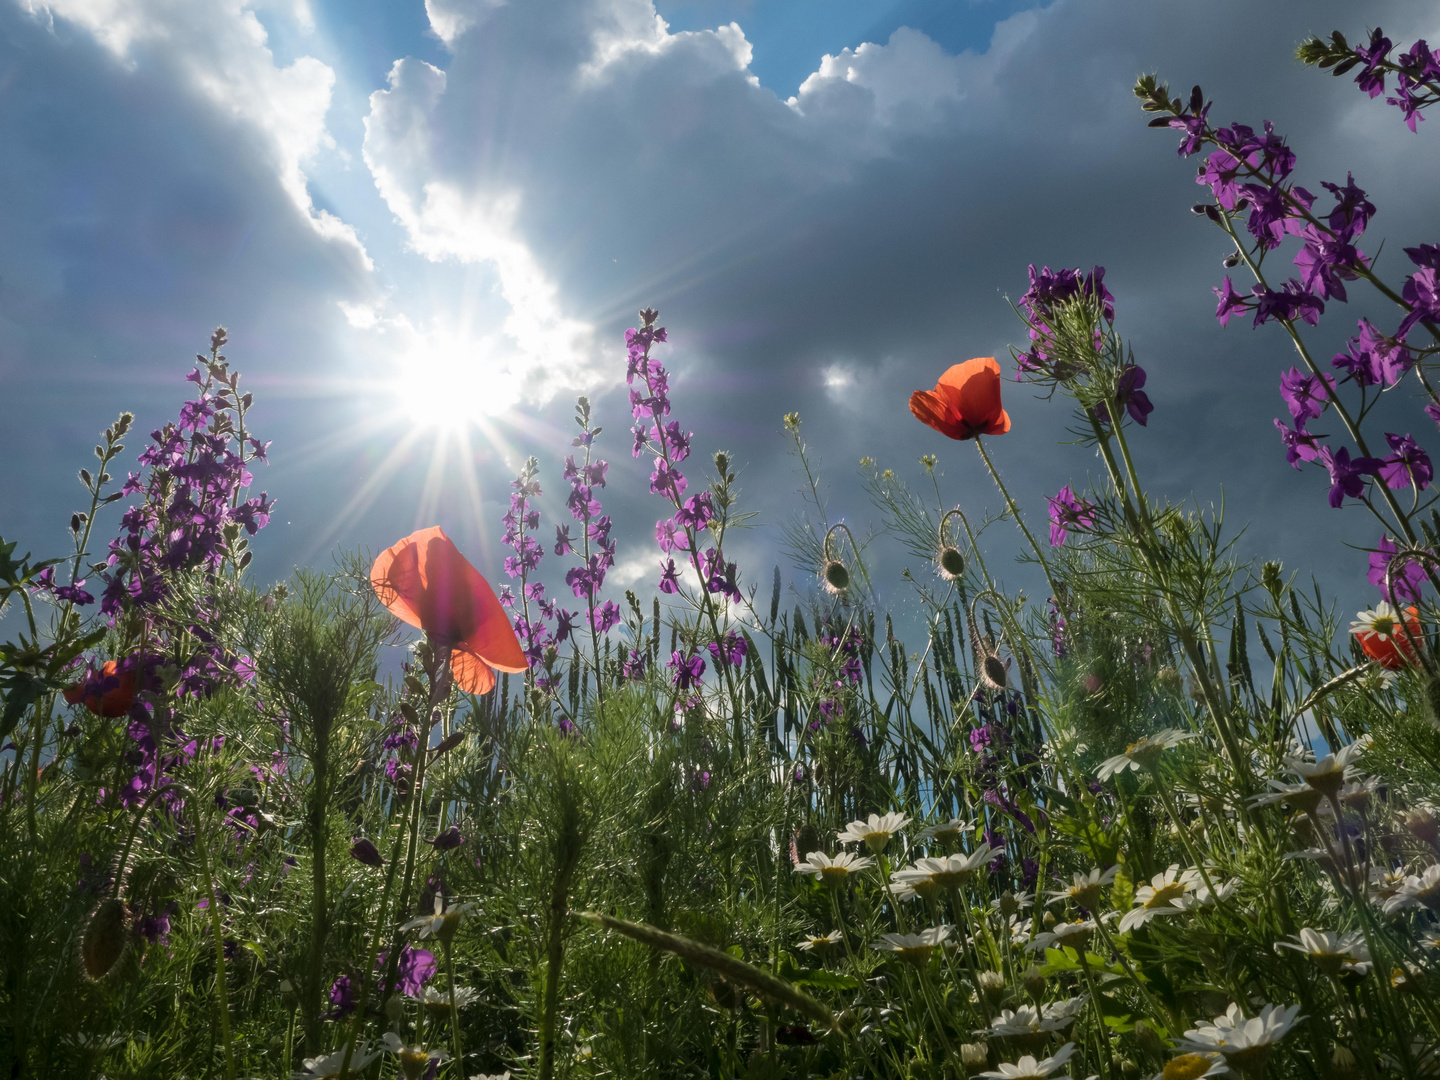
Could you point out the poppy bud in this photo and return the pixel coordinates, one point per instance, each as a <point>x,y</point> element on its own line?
<point>105,940</point>
<point>1148,1039</point>
<point>1129,1069</point>
<point>994,672</point>
<point>1231,261</point>
<point>952,563</point>
<point>835,577</point>
<point>366,852</point>
<point>1008,904</point>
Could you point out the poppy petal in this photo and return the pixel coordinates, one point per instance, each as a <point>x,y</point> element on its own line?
<point>472,674</point>
<point>932,410</point>
<point>978,383</point>
<point>395,577</point>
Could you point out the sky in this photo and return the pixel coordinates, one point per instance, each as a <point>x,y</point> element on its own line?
<point>426,225</point>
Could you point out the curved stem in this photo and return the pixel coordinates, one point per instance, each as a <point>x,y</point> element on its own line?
<point>1015,513</point>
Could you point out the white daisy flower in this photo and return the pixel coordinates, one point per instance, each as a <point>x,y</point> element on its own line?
<point>414,1060</point>
<point>1385,883</point>
<point>1417,890</point>
<point>834,871</point>
<point>1301,796</point>
<point>437,1002</point>
<point>944,871</point>
<point>1019,928</point>
<point>443,922</point>
<point>1085,889</point>
<point>1383,621</point>
<point>329,1064</point>
<point>1332,952</point>
<point>1156,898</point>
<point>875,831</point>
<point>1144,753</point>
<point>1027,1068</point>
<point>819,942</point>
<point>1064,934</point>
<point>1245,1042</point>
<point>1330,773</point>
<point>916,948</point>
<point>491,1076</point>
<point>946,830</point>
<point>1028,1020</point>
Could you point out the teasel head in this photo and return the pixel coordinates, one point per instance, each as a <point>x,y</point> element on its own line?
<point>949,562</point>
<point>106,940</point>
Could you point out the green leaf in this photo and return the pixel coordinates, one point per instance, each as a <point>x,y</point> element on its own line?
<point>826,980</point>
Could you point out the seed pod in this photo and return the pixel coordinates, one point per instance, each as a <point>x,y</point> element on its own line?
<point>835,577</point>
<point>105,940</point>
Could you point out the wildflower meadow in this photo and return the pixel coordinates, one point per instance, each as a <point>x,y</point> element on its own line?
<point>1177,817</point>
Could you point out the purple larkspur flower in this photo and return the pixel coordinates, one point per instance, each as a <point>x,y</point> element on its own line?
<point>1433,412</point>
<point>1409,577</point>
<point>1290,302</point>
<point>1129,396</point>
<point>1068,511</point>
<point>1372,76</point>
<point>732,650</point>
<point>412,971</point>
<point>565,624</point>
<point>669,577</point>
<point>1352,212</point>
<point>342,998</point>
<point>669,535</point>
<point>1408,464</point>
<point>1347,478</point>
<point>1326,262</point>
<point>687,670</point>
<point>634,665</point>
<point>1371,358</point>
<point>1231,302</point>
<point>1300,445</point>
<point>605,617</point>
<point>1422,293</point>
<point>1305,394</point>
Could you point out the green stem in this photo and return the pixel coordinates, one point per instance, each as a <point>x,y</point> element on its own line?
<point>1015,513</point>
<point>222,990</point>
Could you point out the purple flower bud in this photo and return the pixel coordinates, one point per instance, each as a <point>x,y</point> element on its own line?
<point>365,851</point>
<point>448,840</point>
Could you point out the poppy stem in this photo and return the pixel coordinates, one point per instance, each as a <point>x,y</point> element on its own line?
<point>1015,513</point>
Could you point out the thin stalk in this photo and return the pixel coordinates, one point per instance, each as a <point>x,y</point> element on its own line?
<point>1015,513</point>
<point>222,990</point>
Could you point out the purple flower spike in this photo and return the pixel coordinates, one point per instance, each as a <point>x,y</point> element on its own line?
<point>1422,293</point>
<point>1409,579</point>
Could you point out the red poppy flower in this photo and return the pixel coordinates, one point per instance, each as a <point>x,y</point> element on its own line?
<point>110,692</point>
<point>965,402</point>
<point>1392,651</point>
<point>426,582</point>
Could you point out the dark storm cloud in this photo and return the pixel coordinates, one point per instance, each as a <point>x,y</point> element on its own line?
<point>572,162</point>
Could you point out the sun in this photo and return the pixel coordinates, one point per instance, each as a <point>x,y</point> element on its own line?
<point>454,383</point>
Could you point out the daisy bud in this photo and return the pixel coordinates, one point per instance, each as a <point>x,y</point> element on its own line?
<point>395,1008</point>
<point>1342,1061</point>
<point>1008,904</point>
<point>105,940</point>
<point>974,1055</point>
<point>1034,980</point>
<point>992,985</point>
<point>1129,1069</point>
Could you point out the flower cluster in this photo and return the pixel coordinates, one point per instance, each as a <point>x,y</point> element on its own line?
<point>655,433</point>
<point>521,521</point>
